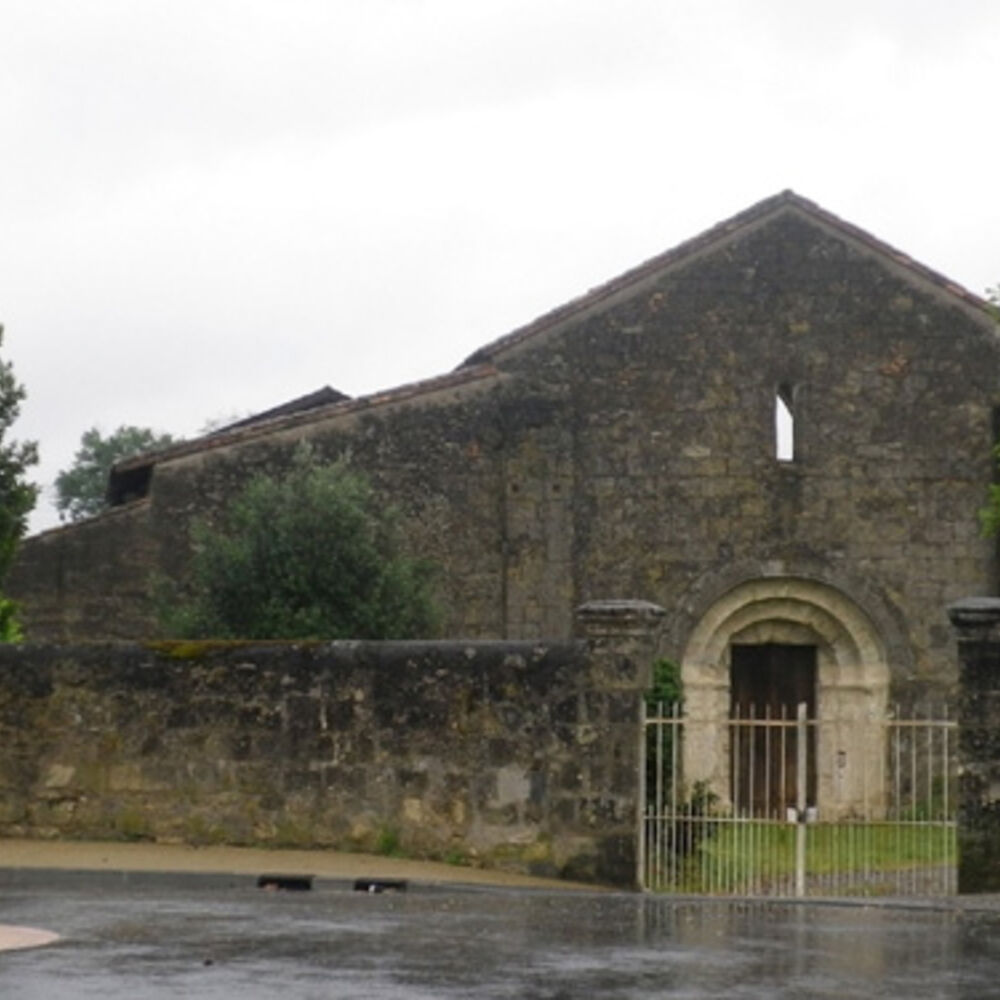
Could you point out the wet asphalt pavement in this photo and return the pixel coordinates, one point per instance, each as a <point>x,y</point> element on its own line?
<point>221,937</point>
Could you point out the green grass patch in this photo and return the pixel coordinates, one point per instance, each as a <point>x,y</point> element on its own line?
<point>755,856</point>
<point>387,843</point>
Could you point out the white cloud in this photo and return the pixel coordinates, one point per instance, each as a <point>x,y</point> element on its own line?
<point>214,206</point>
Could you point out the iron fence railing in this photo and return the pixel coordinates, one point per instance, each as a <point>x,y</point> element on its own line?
<point>803,807</point>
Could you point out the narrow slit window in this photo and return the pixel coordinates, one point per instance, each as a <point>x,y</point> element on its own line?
<point>784,425</point>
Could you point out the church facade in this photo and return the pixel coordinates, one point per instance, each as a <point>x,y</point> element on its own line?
<point>780,432</point>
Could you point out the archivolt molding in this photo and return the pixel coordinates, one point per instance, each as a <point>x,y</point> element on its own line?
<point>852,682</point>
<point>788,609</point>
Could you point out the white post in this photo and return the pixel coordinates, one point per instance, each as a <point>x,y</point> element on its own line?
<point>801,763</point>
<point>640,854</point>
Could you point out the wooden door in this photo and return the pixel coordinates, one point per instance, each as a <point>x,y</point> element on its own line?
<point>768,682</point>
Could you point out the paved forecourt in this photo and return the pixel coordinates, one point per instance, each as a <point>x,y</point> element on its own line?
<point>148,857</point>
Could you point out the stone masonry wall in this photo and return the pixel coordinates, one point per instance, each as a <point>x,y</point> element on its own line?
<point>520,755</point>
<point>668,393</point>
<point>976,622</point>
<point>628,448</point>
<point>89,580</point>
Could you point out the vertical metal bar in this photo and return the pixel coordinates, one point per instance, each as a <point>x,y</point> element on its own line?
<point>935,859</point>
<point>914,814</point>
<point>669,839</point>
<point>757,805</point>
<point>736,763</point>
<point>679,867</point>
<point>948,834</point>
<point>929,826</point>
<point>766,728</point>
<point>783,764</point>
<point>800,800</point>
<point>897,777</point>
<point>898,829</point>
<point>659,826</point>
<point>760,739</point>
<point>946,770</point>
<point>690,838</point>
<point>642,875</point>
<point>788,878</point>
<point>665,747</point>
<point>667,793</point>
<point>867,810</point>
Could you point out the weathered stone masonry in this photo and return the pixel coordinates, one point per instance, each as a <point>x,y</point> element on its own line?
<point>512,754</point>
<point>624,444</point>
<point>977,623</point>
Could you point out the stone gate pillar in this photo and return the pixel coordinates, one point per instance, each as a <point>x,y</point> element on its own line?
<point>977,622</point>
<point>622,639</point>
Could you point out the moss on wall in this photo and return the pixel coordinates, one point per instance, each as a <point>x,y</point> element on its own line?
<point>457,748</point>
<point>626,445</point>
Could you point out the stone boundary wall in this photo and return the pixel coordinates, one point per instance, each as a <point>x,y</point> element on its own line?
<point>976,621</point>
<point>511,754</point>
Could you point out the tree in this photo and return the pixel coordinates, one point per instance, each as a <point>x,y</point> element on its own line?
<point>81,490</point>
<point>311,554</point>
<point>17,496</point>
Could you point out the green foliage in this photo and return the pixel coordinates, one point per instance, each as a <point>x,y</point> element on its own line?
<point>666,689</point>
<point>664,700</point>
<point>81,490</point>
<point>311,554</point>
<point>387,843</point>
<point>661,698</point>
<point>17,496</point>
<point>989,516</point>
<point>993,301</point>
<point>455,856</point>
<point>10,629</point>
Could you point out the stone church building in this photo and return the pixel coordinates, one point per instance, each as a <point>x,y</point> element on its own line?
<point>779,431</point>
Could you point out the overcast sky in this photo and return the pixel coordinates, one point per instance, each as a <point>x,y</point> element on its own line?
<point>212,206</point>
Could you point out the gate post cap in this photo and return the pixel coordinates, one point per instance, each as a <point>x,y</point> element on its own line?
<point>975,613</point>
<point>618,616</point>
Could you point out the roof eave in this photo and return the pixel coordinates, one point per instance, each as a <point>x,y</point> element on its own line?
<point>237,435</point>
<point>722,232</point>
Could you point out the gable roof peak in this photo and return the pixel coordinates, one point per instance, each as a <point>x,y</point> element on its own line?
<point>784,201</point>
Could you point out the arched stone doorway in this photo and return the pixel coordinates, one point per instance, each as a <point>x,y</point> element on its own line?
<point>850,671</point>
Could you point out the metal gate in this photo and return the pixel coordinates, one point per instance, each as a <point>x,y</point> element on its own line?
<point>807,808</point>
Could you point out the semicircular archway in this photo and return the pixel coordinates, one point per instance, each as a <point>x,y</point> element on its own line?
<point>852,678</point>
